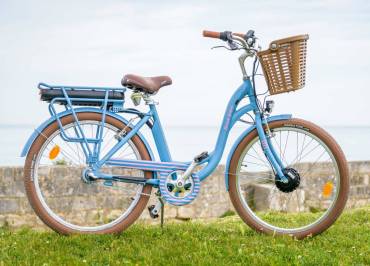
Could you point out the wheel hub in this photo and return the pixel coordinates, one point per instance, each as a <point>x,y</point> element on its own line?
<point>88,176</point>
<point>294,179</point>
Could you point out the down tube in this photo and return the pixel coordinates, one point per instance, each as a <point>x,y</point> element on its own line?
<point>229,120</point>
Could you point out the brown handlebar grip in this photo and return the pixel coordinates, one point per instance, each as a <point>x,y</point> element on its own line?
<point>211,34</point>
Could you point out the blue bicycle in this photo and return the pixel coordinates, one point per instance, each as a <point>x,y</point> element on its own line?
<point>89,169</point>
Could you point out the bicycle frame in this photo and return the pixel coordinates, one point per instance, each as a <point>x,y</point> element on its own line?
<point>166,165</point>
<point>232,115</point>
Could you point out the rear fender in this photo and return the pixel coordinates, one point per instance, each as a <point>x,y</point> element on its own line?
<point>51,120</point>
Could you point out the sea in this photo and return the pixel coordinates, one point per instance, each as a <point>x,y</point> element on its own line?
<point>187,141</point>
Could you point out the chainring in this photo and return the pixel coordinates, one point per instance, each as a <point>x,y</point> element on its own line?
<point>177,192</point>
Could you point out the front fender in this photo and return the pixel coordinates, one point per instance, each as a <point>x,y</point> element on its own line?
<point>51,120</point>
<point>242,136</point>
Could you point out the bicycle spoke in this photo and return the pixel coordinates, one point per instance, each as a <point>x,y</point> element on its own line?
<point>251,179</point>
<point>286,144</point>
<point>53,185</point>
<point>123,150</point>
<point>75,135</point>
<point>297,145</point>
<point>314,148</point>
<point>78,154</point>
<point>258,155</point>
<point>263,165</point>
<point>300,156</point>
<point>280,151</point>
<point>288,201</point>
<point>67,155</point>
<point>312,166</point>
<point>64,153</point>
<point>256,179</point>
<point>298,200</point>
<point>259,160</point>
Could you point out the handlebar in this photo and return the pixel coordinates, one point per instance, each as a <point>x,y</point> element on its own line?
<point>221,35</point>
<point>237,41</point>
<point>211,34</point>
<point>247,40</point>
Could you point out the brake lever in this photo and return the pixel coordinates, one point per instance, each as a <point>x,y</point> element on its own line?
<point>232,45</point>
<point>227,36</point>
<point>222,46</point>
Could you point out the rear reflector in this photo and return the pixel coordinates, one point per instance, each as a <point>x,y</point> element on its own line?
<point>54,152</point>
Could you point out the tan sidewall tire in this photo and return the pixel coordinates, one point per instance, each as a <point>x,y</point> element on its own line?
<point>343,171</point>
<point>31,191</point>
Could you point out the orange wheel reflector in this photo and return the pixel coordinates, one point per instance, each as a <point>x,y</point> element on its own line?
<point>327,189</point>
<point>54,152</point>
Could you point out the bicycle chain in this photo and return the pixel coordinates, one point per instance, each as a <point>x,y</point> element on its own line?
<point>118,188</point>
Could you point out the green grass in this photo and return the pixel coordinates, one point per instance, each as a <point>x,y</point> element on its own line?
<point>224,241</point>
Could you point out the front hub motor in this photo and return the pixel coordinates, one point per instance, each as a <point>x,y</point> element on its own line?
<point>294,179</point>
<point>177,191</point>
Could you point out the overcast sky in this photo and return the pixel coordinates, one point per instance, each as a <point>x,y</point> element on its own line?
<point>96,42</point>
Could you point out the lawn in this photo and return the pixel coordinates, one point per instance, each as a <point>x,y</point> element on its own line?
<point>224,241</point>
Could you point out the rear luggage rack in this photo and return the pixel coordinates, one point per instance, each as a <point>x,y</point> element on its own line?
<point>82,96</point>
<point>105,99</point>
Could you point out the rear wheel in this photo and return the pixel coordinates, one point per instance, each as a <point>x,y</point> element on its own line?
<point>316,193</point>
<point>57,191</point>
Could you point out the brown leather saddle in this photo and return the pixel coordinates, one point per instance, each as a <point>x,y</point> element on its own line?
<point>145,84</point>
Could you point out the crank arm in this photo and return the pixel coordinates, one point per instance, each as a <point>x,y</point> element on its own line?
<point>199,158</point>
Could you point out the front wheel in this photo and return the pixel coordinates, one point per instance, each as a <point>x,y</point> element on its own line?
<point>316,193</point>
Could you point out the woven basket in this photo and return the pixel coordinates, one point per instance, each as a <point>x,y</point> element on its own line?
<point>284,64</point>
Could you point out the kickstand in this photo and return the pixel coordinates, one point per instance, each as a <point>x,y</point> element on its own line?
<point>162,212</point>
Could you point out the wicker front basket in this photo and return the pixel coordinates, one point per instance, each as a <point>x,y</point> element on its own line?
<point>284,64</point>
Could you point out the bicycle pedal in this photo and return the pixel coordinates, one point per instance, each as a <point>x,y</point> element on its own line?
<point>153,212</point>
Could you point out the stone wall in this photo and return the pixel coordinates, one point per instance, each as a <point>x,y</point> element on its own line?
<point>213,200</point>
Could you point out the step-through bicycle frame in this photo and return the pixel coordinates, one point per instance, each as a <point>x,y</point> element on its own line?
<point>166,165</point>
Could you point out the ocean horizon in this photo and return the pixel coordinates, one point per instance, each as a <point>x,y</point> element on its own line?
<point>187,141</point>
